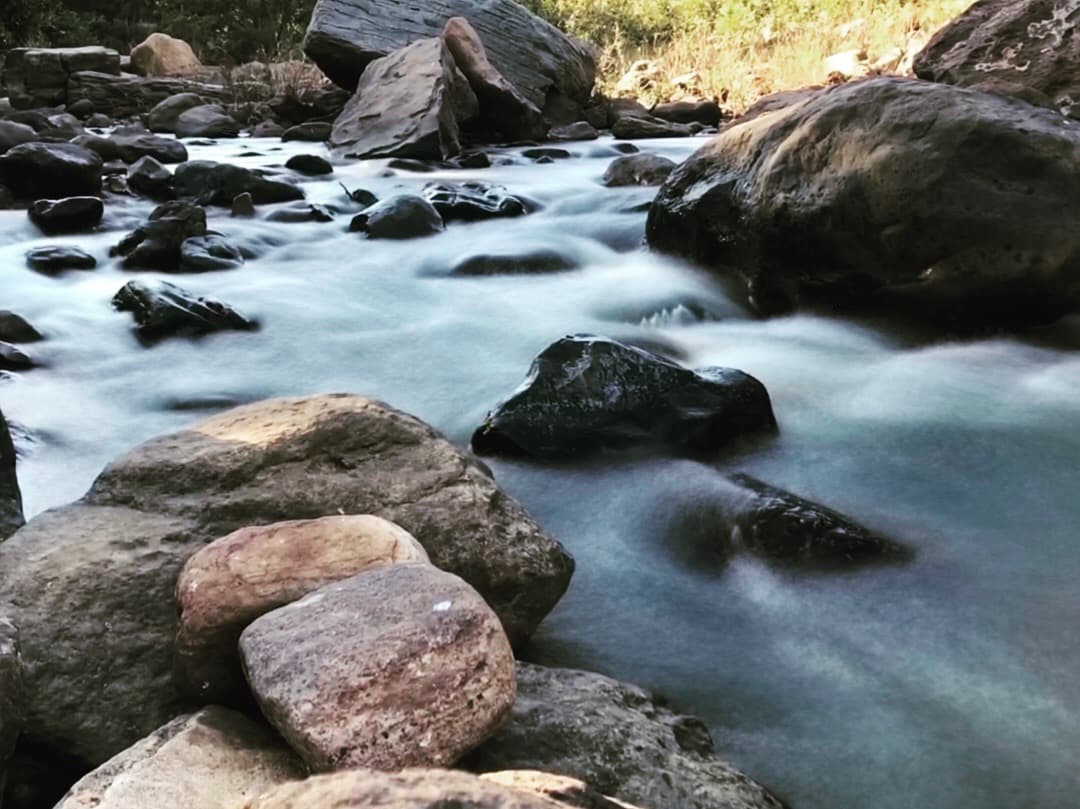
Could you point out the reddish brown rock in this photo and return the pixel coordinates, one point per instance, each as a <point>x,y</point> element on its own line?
<point>163,55</point>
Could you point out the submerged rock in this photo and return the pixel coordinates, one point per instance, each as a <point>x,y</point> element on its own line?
<point>53,170</point>
<point>209,253</point>
<point>11,512</point>
<point>585,393</point>
<point>309,164</point>
<point>401,217</point>
<point>162,309</point>
<point>473,201</point>
<point>14,359</point>
<point>533,262</point>
<point>57,258</point>
<point>70,215</point>
<point>17,329</point>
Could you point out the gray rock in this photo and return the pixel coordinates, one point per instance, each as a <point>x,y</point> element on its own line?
<point>17,329</point>
<point>156,244</point>
<point>400,217</point>
<point>207,121</point>
<point>36,77</point>
<point>314,131</point>
<point>632,127</point>
<point>151,179</point>
<point>219,184</point>
<point>162,118</point>
<point>14,359</point>
<point>11,513</point>
<point>69,215</point>
<point>11,683</point>
<point>162,309</point>
<point>707,113</point>
<point>53,170</point>
<point>544,260</point>
<point>580,130</point>
<point>13,133</point>
<point>268,129</point>
<point>128,96</point>
<point>638,169</point>
<point>130,148</point>
<point>58,258</point>
<point>209,253</point>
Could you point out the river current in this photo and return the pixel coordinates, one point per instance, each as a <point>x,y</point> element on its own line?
<point>953,681</point>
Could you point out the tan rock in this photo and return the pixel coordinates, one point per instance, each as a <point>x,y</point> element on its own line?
<point>163,55</point>
<point>233,580</point>
<point>561,788</point>
<point>206,760</point>
<point>400,666</point>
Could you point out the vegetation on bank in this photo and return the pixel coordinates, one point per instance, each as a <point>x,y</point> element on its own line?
<point>738,49</point>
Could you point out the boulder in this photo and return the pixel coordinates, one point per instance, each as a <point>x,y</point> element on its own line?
<point>11,691</point>
<point>12,134</point>
<point>309,164</point>
<point>473,201</point>
<point>398,666</point>
<point>58,258</point>
<point>233,580</point>
<point>69,215</point>
<point>162,118</point>
<point>17,329</point>
<point>126,96</point>
<point>1033,44</point>
<point>618,739</point>
<point>102,677</point>
<point>888,191</point>
<point>707,113</point>
<point>579,130</point>
<point>38,77</point>
<point>301,212</point>
<point>151,179</point>
<point>314,131</point>
<point>163,55</point>
<point>268,129</point>
<point>634,127</point>
<point>535,57</point>
<point>36,170</point>
<point>156,244</point>
<point>243,205</point>
<point>209,253</point>
<point>11,513</point>
<point>161,309</point>
<point>542,260</point>
<point>206,121</point>
<point>638,169</point>
<point>14,359</point>
<point>220,183</point>
<point>411,103</point>
<point>400,217</point>
<point>212,758</point>
<point>131,148</point>
<point>585,393</point>
<point>503,110</point>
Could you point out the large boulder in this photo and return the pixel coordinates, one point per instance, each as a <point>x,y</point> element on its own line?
<point>11,512</point>
<point>617,738</point>
<point>55,170</point>
<point>1029,44</point>
<point>92,584</point>
<point>126,95</point>
<point>220,183</point>
<point>162,118</point>
<point>585,393</point>
<point>163,55</point>
<point>206,121</point>
<point>399,666</point>
<point>215,757</point>
<point>161,309</point>
<point>410,103</point>
<point>37,77</point>
<point>535,57</point>
<point>891,188</point>
<point>233,580</point>
<point>69,215</point>
<point>404,216</point>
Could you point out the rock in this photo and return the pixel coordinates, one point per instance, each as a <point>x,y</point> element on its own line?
<point>209,253</point>
<point>638,169</point>
<point>38,77</point>
<point>13,134</point>
<point>98,120</point>
<point>128,96</point>
<point>411,103</point>
<point>243,205</point>
<point>631,127</point>
<point>13,359</point>
<point>162,309</point>
<point>314,131</point>
<point>163,55</point>
<point>581,130</point>
<point>105,148</point>
<point>394,667</point>
<point>268,129</point>
<point>131,148</point>
<point>474,159</point>
<point>219,183</point>
<point>70,215</point>
<point>561,788</point>
<point>207,121</point>
<point>535,57</point>
<point>917,213</point>
<point>361,196</point>
<point>618,739</point>
<point>503,109</point>
<point>54,170</point>
<point>65,124</point>
<point>544,260</point>
<point>233,580</point>
<point>473,201</point>
<point>400,217</point>
<point>847,64</point>
<point>642,75</point>
<point>162,118</point>
<point>706,113</point>
<point>11,687</point>
<point>156,244</point>
<point>103,678</point>
<point>151,179</point>
<point>11,513</point>
<point>17,329</point>
<point>83,108</point>
<point>585,393</point>
<point>1031,43</point>
<point>321,102</point>
<point>309,164</point>
<point>301,212</point>
<point>215,757</point>
<point>56,258</point>
<point>782,527</point>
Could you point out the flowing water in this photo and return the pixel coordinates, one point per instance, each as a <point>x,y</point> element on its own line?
<point>951,682</point>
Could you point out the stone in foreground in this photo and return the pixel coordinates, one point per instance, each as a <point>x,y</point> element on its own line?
<point>585,393</point>
<point>233,580</point>
<point>11,512</point>
<point>162,309</point>
<point>399,666</point>
<point>213,758</point>
<point>51,170</point>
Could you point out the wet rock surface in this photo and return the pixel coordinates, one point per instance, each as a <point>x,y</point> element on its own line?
<point>400,217</point>
<point>473,201</point>
<point>219,183</point>
<point>11,513</point>
<point>161,309</point>
<point>51,170</point>
<point>70,215</point>
<point>157,243</point>
<point>57,259</point>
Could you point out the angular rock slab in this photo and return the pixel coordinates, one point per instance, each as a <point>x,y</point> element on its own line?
<point>619,740</point>
<point>212,758</point>
<point>102,678</point>
<point>400,666</point>
<point>410,103</point>
<point>233,580</point>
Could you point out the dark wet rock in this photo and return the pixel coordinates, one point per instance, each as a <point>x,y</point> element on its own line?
<point>219,183</point>
<point>544,260</point>
<point>268,129</point>
<point>83,108</point>
<point>164,150</point>
<point>151,179</point>
<point>40,77</point>
<point>104,147</point>
<point>638,169</point>
<point>14,359</point>
<point>11,513</point>
<point>625,148</point>
<point>320,103</point>
<point>17,329</point>
<point>313,131</point>
<point>782,527</point>
<point>70,215</point>
<point>917,214</point>
<point>581,130</point>
<point>585,394</point>
<point>162,118</point>
<point>98,121</point>
<point>473,201</point>
<point>413,165</point>
<point>309,164</point>
<point>301,212</point>
<point>551,152</point>
<point>243,205</point>
<point>206,121</point>
<point>156,244</point>
<point>7,199</point>
<point>126,96</point>
<point>707,113</point>
<point>209,253</point>
<point>52,170</point>
<point>411,103</point>
<point>361,196</point>
<point>470,160</point>
<point>638,128</point>
<point>58,258</point>
<point>162,309</point>
<point>12,694</point>
<point>13,134</point>
<point>399,217</point>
